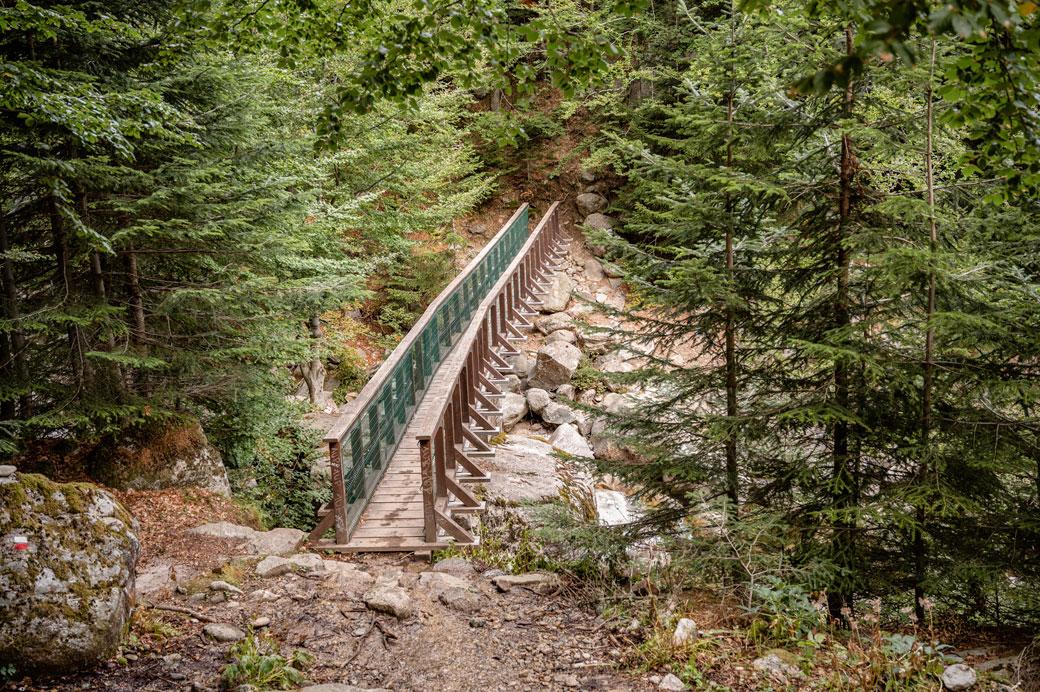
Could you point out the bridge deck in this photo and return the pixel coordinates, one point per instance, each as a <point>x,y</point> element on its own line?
<point>393,520</point>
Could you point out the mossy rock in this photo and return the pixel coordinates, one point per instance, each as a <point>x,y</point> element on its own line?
<point>64,602</point>
<point>159,456</point>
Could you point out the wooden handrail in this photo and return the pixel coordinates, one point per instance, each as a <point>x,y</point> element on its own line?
<point>346,421</point>
<point>435,416</point>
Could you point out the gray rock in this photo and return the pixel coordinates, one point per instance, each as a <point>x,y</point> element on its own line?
<point>525,470</point>
<point>559,294</point>
<point>603,444</point>
<point>553,322</point>
<point>670,683</point>
<point>588,176</point>
<point>555,365</point>
<point>564,335</point>
<point>221,585</point>
<point>538,399</point>
<point>959,677</point>
<point>512,384</point>
<point>558,414</point>
<point>223,632</point>
<point>276,541</point>
<point>568,439</point>
<point>223,529</point>
<point>272,566</point>
<point>593,270</point>
<point>6,470</point>
<point>389,599</point>
<point>262,621</point>
<point>353,582</point>
<point>685,630</point>
<point>614,272</point>
<point>590,203</point>
<point>519,363</point>
<point>462,600</point>
<point>439,582</point>
<point>455,565</point>
<point>600,222</point>
<point>308,562</point>
<point>774,665</point>
<point>64,601</point>
<point>514,408</point>
<point>596,343</point>
<point>565,391</point>
<point>159,456</point>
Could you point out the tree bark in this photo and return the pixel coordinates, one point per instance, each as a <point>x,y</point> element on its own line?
<point>732,470</point>
<point>61,276</point>
<point>843,490</point>
<point>136,306</point>
<point>929,350</point>
<point>314,376</point>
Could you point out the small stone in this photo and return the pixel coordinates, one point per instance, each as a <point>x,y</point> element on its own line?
<point>558,414</point>
<point>555,322</point>
<point>593,270</point>
<point>7,470</point>
<point>477,622</point>
<point>462,600</point>
<point>568,439</point>
<point>959,677</point>
<point>570,681</point>
<point>262,621</point>
<point>685,630</point>
<point>221,585</point>
<point>223,632</point>
<point>564,335</point>
<point>244,688</point>
<point>537,399</point>
<point>177,676</point>
<point>590,203</point>
<point>772,663</point>
<point>130,657</point>
<point>671,683</point>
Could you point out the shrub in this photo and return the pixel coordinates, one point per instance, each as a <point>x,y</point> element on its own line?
<point>256,662</point>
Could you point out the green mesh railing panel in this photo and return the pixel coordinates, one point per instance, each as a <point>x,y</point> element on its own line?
<point>369,445</point>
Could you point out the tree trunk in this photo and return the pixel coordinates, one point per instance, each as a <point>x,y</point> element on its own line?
<point>61,276</point>
<point>11,312</point>
<point>929,354</point>
<point>314,376</point>
<point>136,306</point>
<point>843,490</point>
<point>732,474</point>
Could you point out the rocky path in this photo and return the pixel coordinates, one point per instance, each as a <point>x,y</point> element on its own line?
<point>378,622</point>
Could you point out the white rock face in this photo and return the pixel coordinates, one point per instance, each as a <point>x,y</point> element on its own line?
<point>553,322</point>
<point>64,601</point>
<point>514,408</point>
<point>559,294</point>
<point>590,203</point>
<point>273,542</point>
<point>959,677</point>
<point>525,470</point>
<point>568,439</point>
<point>555,365</point>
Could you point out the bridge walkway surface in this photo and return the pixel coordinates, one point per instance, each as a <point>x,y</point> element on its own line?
<point>406,453</point>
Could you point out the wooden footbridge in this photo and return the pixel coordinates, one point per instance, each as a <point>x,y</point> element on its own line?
<point>407,451</point>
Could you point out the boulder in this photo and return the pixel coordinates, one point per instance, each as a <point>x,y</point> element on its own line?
<point>512,384</point>
<point>159,456</point>
<point>525,470</point>
<point>223,632</point>
<point>390,599</point>
<point>566,391</point>
<point>439,582</point>
<point>553,322</point>
<point>275,541</point>
<point>590,203</point>
<point>538,399</point>
<point>272,566</point>
<point>514,408</point>
<point>540,581</point>
<point>555,365</point>
<point>596,343</point>
<point>593,270</point>
<point>565,335</point>
<point>558,414</point>
<point>774,664</point>
<point>559,293</point>
<point>604,446</point>
<point>568,439</point>
<point>600,222</point>
<point>462,600</point>
<point>959,677</point>
<point>65,597</point>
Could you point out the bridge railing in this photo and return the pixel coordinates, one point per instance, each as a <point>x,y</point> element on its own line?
<point>364,439</point>
<point>456,432</point>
